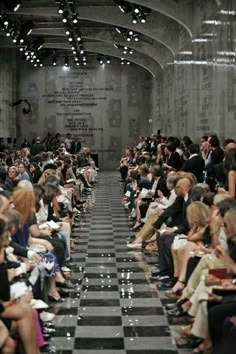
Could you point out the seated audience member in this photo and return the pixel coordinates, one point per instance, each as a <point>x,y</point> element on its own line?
<point>208,261</point>
<point>195,163</point>
<point>16,315</point>
<point>12,178</point>
<point>198,239</point>
<point>35,172</point>
<point>230,169</point>
<point>23,173</point>
<point>173,160</point>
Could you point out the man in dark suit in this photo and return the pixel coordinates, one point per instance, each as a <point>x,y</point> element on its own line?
<point>195,163</point>
<point>175,217</point>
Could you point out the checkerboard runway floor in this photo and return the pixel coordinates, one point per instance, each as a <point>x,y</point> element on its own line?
<point>114,308</point>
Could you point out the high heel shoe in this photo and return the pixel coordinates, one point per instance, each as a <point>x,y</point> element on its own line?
<point>137,226</point>
<point>55,299</point>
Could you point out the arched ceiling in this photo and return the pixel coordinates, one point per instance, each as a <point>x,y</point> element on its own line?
<point>168,30</point>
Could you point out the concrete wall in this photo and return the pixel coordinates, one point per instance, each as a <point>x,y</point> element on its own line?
<point>105,107</point>
<point>196,100</point>
<point>7,93</point>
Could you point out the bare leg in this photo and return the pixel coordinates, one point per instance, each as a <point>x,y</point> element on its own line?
<point>9,346</point>
<point>190,246</point>
<point>23,324</point>
<point>52,290</point>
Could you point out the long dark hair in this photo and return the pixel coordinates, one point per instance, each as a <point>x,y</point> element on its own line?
<point>230,160</point>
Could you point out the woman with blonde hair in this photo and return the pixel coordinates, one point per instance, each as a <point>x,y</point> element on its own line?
<point>198,239</point>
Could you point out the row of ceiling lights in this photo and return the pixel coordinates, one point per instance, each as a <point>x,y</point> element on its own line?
<point>130,35</point>
<point>126,50</point>
<point>70,19</point>
<point>20,35</point>
<point>139,13</point>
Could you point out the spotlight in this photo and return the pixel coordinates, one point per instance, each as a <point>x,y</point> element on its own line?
<point>128,39</point>
<point>73,47</point>
<point>108,60</point>
<point>81,51</point>
<point>76,59</point>
<point>74,52</point>
<point>14,40</point>
<point>136,10</point>
<point>41,64</point>
<point>16,5</point>
<point>118,30</point>
<point>66,64</point>
<point>27,27</point>
<point>78,37</point>
<point>84,63</point>
<point>131,33</point>
<point>128,63</point>
<point>54,63</point>
<point>77,63</point>
<point>136,38</point>
<point>22,40</point>
<point>61,7</point>
<point>135,19</point>
<point>75,18</point>
<point>84,59</point>
<point>70,39</point>
<point>65,16</point>
<point>38,43</point>
<point>124,6</point>
<point>143,18</point>
<point>21,49</point>
<point>125,51</point>
<point>131,51</point>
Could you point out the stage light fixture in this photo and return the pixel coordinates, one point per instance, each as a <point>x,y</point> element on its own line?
<point>16,5</point>
<point>75,18</point>
<point>143,18</point>
<point>128,39</point>
<point>136,10</point>
<point>54,62</point>
<point>66,64</point>
<point>65,16</point>
<point>79,37</point>
<point>134,19</point>
<point>108,60</point>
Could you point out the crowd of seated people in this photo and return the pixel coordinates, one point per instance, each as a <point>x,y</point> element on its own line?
<point>41,199</point>
<point>181,198</point>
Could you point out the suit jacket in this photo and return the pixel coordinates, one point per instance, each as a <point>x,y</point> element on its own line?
<point>177,213</point>
<point>174,160</point>
<point>194,165</point>
<point>217,156</point>
<point>161,185</point>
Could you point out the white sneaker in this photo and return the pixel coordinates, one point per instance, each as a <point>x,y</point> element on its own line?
<point>135,245</point>
<point>47,316</point>
<point>65,269</point>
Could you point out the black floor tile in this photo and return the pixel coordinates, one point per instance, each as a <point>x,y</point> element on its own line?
<point>100,288</point>
<point>98,302</point>
<point>149,331</point>
<point>142,311</point>
<point>99,343</point>
<point>99,321</point>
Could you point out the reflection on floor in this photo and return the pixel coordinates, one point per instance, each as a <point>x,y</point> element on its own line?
<point>114,309</point>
